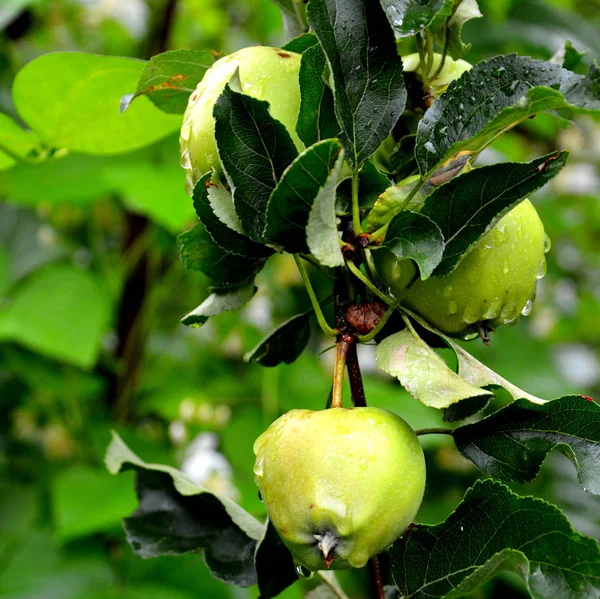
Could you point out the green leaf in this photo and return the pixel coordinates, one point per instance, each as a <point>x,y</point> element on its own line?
<point>229,240</point>
<point>473,371</point>
<point>275,567</point>
<point>255,150</point>
<point>87,501</point>
<point>413,235</point>
<point>219,302</point>
<point>71,100</point>
<point>493,97</point>
<point>422,372</point>
<point>491,531</point>
<point>198,251</point>
<point>570,58</point>
<point>176,516</point>
<point>168,79</point>
<point>389,203</point>
<point>290,204</point>
<point>59,311</point>
<point>469,206</point>
<point>322,232</point>
<point>408,17</point>
<point>301,43</point>
<point>284,344</point>
<point>512,443</point>
<point>480,375</point>
<point>15,142</point>
<point>145,187</point>
<point>316,118</point>
<point>367,72</point>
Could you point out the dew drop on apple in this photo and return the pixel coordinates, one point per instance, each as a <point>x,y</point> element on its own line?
<point>452,307</point>
<point>542,270</point>
<point>304,572</point>
<point>448,291</point>
<point>527,307</point>
<point>185,159</point>
<point>547,243</point>
<point>259,466</point>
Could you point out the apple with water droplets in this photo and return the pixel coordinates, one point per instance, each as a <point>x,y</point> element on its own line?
<point>493,284</point>
<point>265,73</point>
<point>340,485</point>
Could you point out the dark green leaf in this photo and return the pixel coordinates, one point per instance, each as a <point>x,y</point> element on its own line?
<point>366,69</point>
<point>301,43</point>
<point>284,344</point>
<point>512,443</point>
<point>219,302</point>
<point>413,235</point>
<point>469,206</point>
<point>169,78</point>
<point>199,252</point>
<point>316,119</point>
<point>294,17</point>
<point>493,97</point>
<point>495,530</point>
<point>255,149</point>
<point>176,516</point>
<point>289,207</point>
<point>408,17</point>
<point>465,408</point>
<point>226,238</point>
<point>322,230</point>
<point>422,372</point>
<point>274,564</point>
<point>397,158</point>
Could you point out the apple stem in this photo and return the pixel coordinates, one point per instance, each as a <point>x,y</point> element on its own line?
<point>354,376</point>
<point>313,300</point>
<point>376,577</point>
<point>434,431</point>
<point>343,345</point>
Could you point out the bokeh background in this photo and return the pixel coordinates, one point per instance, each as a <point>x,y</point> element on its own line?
<point>92,291</point>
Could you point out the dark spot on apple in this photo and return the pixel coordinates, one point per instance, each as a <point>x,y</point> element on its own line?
<point>283,54</point>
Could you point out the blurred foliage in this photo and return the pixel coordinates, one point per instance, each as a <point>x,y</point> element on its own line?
<point>92,291</point>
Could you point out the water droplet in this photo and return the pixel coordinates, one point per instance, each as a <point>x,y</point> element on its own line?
<point>505,268</point>
<point>259,466</point>
<point>448,291</point>
<point>452,307</point>
<point>184,161</point>
<point>430,147</point>
<point>500,234</point>
<point>547,244</point>
<point>443,130</point>
<point>542,270</point>
<point>527,307</point>
<point>304,572</point>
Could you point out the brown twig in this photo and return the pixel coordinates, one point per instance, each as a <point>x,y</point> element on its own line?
<point>354,375</point>
<point>376,578</point>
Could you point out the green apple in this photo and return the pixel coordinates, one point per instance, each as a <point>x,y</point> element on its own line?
<point>451,70</point>
<point>494,283</point>
<point>339,485</point>
<point>265,73</point>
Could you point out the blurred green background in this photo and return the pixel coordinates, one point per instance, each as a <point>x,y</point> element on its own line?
<point>92,291</point>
